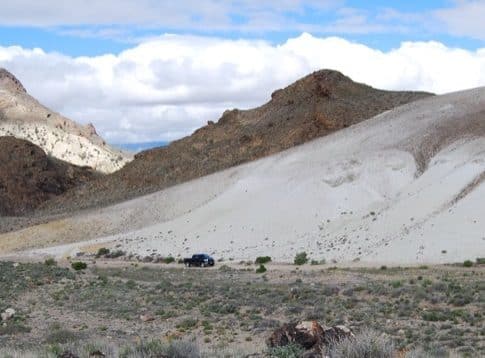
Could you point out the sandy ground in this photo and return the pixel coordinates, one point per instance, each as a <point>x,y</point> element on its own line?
<point>405,187</point>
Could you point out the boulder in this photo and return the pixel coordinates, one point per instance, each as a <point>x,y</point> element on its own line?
<point>7,314</point>
<point>310,335</point>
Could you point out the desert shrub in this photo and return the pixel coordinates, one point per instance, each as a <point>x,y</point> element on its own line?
<point>187,324</point>
<point>467,263</point>
<point>115,254</point>
<point>316,262</point>
<point>480,260</point>
<point>301,258</point>
<point>262,260</point>
<point>50,262</point>
<point>181,349</point>
<point>157,348</point>
<point>383,267</point>
<point>103,251</point>
<point>288,351</point>
<point>168,260</point>
<point>367,344</point>
<point>79,265</point>
<point>261,269</point>
<point>61,336</point>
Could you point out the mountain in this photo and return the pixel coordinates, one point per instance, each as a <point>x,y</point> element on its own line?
<point>316,105</point>
<point>24,117</point>
<point>405,187</point>
<point>28,176</point>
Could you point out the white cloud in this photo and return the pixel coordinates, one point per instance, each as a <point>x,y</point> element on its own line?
<point>168,86</point>
<point>180,14</point>
<point>465,18</point>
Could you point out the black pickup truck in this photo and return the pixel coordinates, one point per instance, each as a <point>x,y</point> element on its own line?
<point>201,260</point>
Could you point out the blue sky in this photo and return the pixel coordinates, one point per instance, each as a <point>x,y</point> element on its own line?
<point>152,70</point>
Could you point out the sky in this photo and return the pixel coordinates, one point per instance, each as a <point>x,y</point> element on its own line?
<point>154,70</point>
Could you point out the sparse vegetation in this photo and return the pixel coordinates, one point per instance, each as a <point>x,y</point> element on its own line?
<point>368,344</point>
<point>224,307</point>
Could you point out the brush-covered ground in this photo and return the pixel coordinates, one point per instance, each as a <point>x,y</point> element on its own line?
<point>230,310</point>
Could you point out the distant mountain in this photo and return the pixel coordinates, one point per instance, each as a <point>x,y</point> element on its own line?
<point>317,105</point>
<point>24,117</point>
<point>28,176</point>
<point>141,146</point>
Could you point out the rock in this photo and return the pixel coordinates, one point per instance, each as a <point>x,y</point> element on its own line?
<point>7,314</point>
<point>97,354</point>
<point>147,317</point>
<point>310,335</point>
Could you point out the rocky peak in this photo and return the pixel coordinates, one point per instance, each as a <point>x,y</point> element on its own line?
<point>10,82</point>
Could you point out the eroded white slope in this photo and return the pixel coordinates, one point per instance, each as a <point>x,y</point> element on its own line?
<point>23,117</point>
<point>401,188</point>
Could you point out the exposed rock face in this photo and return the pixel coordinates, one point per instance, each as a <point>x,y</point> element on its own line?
<point>308,334</point>
<point>23,117</point>
<point>28,176</point>
<point>314,106</point>
<point>10,82</point>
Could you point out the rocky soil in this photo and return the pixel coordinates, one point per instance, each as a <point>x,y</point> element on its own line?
<point>314,106</point>
<point>28,176</point>
<point>232,311</point>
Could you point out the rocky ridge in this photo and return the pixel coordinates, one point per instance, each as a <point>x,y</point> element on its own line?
<point>24,117</point>
<point>314,106</point>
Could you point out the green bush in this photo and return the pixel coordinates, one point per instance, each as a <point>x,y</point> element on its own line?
<point>103,251</point>
<point>480,260</point>
<point>50,262</point>
<point>301,258</point>
<point>262,260</point>
<point>288,351</point>
<point>468,263</point>
<point>79,265</point>
<point>168,260</point>
<point>261,269</point>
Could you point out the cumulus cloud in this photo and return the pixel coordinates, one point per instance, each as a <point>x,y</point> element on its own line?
<point>168,86</point>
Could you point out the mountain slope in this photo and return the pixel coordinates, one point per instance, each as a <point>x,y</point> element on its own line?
<point>28,176</point>
<point>314,106</point>
<point>23,117</point>
<point>404,187</point>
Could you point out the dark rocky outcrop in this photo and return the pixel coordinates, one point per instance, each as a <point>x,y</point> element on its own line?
<point>28,176</point>
<point>310,335</point>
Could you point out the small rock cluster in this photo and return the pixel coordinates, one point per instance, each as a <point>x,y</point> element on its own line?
<point>7,315</point>
<point>310,335</point>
